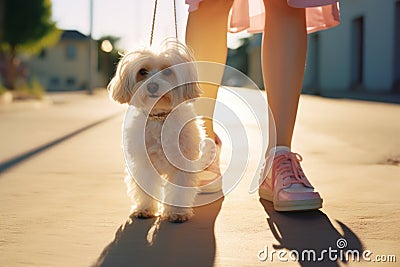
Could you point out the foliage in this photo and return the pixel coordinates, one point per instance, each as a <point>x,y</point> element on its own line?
<point>2,88</point>
<point>27,27</point>
<point>36,47</point>
<point>28,23</point>
<point>28,90</point>
<point>108,61</point>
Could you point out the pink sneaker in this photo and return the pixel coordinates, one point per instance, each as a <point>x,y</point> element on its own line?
<point>287,186</point>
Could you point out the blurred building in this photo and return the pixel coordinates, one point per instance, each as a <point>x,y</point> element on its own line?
<point>247,59</point>
<point>362,54</point>
<point>254,54</point>
<point>65,66</point>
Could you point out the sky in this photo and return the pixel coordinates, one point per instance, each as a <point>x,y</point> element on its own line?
<point>128,19</point>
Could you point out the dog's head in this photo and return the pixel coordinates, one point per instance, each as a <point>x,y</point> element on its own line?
<point>156,80</point>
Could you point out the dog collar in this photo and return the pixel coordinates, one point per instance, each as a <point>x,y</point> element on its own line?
<point>157,117</point>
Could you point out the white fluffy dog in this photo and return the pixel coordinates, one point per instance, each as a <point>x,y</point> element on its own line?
<point>164,143</point>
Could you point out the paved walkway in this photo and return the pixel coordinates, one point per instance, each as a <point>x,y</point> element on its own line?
<point>63,202</point>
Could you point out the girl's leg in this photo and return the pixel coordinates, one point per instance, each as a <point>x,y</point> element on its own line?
<point>283,62</point>
<point>206,34</point>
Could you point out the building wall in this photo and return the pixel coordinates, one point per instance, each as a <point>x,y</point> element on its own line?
<point>56,65</point>
<point>254,62</point>
<point>329,63</point>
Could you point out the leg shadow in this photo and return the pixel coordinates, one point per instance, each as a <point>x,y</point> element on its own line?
<point>154,242</point>
<point>310,230</point>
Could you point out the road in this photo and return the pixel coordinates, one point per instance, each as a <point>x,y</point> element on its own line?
<point>63,201</point>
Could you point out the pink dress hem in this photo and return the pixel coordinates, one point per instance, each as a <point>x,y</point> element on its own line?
<point>250,14</point>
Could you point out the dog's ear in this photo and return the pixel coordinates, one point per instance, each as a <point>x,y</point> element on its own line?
<point>121,86</point>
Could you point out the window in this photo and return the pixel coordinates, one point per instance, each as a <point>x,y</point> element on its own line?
<point>357,65</point>
<point>71,52</point>
<point>396,67</point>
<point>313,58</point>
<point>70,81</point>
<point>54,81</point>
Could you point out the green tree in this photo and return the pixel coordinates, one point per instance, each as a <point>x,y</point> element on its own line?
<point>107,60</point>
<point>27,27</point>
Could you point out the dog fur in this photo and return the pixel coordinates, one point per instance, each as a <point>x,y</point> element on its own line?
<point>159,84</point>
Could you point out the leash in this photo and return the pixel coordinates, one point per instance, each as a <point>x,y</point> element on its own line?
<point>154,21</point>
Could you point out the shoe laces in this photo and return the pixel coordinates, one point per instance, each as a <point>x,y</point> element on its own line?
<point>286,166</point>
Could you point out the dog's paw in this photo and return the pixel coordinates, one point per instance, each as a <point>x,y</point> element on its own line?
<point>143,214</point>
<point>178,215</point>
<point>179,218</point>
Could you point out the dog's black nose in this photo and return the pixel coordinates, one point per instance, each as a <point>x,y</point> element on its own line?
<point>152,87</point>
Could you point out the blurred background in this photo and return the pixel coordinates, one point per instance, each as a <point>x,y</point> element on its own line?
<point>74,45</point>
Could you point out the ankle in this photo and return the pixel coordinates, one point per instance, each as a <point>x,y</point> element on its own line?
<point>278,150</point>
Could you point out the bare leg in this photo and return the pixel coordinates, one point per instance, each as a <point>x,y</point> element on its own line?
<point>206,35</point>
<point>283,61</point>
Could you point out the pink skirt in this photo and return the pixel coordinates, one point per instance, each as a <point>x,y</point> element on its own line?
<point>250,14</point>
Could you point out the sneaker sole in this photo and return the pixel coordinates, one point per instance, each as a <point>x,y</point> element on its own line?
<point>211,188</point>
<point>295,205</point>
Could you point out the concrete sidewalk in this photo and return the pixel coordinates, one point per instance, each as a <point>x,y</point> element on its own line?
<point>66,204</point>
<point>31,125</point>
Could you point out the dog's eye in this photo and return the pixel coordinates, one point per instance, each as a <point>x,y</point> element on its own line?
<point>143,72</point>
<point>167,72</point>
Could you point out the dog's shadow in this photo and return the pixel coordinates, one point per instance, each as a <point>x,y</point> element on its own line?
<point>154,242</point>
<point>311,230</point>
